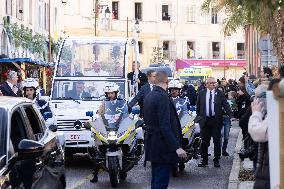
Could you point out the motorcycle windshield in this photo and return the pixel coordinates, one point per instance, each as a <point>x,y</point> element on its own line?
<point>115,112</point>
<point>181,104</point>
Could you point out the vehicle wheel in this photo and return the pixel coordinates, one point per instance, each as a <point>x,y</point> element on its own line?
<point>114,171</point>
<point>123,175</point>
<point>175,171</point>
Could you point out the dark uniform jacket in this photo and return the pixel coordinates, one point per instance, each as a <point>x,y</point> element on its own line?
<point>7,91</point>
<point>163,129</point>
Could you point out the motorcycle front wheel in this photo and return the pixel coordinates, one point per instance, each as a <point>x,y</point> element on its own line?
<point>114,172</point>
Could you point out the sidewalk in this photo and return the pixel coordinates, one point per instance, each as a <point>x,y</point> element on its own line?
<point>240,167</point>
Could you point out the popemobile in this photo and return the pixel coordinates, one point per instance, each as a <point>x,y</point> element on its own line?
<point>84,66</point>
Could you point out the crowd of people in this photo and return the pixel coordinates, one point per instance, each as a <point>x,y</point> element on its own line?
<point>218,103</point>
<point>29,89</point>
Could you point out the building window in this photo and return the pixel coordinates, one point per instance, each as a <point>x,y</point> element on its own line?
<point>165,12</point>
<point>191,13</point>
<point>46,17</point>
<point>190,49</point>
<point>240,50</point>
<point>20,10</point>
<point>55,16</point>
<point>216,50</point>
<point>9,7</point>
<point>166,50</point>
<point>214,17</point>
<point>30,11</point>
<point>115,10</point>
<point>138,11</point>
<point>140,46</point>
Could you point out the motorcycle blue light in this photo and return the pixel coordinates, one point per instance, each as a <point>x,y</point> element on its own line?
<point>90,113</point>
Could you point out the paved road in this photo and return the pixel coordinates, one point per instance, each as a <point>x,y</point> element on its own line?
<point>79,172</point>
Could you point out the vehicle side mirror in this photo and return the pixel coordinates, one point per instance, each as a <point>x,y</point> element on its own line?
<point>30,149</point>
<point>53,127</point>
<point>47,115</point>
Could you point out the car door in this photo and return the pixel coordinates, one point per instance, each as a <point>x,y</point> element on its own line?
<point>21,173</point>
<point>50,167</point>
<point>4,179</point>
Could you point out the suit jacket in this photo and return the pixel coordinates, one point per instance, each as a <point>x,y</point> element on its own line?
<point>141,76</point>
<point>163,129</point>
<point>142,93</point>
<point>220,104</point>
<point>7,91</point>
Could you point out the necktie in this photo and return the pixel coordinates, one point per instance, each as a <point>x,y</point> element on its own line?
<point>210,104</point>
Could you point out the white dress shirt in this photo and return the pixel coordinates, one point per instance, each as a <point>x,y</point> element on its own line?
<point>151,86</point>
<point>212,102</point>
<point>10,85</point>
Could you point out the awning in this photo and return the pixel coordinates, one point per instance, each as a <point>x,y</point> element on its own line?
<point>186,63</point>
<point>26,60</point>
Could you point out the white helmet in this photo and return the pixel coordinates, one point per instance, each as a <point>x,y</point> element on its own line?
<point>29,83</point>
<point>111,87</point>
<point>174,84</point>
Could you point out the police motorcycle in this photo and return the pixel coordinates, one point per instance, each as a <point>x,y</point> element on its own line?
<point>188,120</point>
<point>118,136</point>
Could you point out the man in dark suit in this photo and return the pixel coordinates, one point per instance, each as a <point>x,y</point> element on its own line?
<point>144,91</point>
<point>78,92</point>
<point>163,135</point>
<point>210,105</point>
<point>142,78</point>
<point>9,88</point>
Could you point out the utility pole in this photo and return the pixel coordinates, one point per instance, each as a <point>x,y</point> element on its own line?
<point>224,55</point>
<point>49,33</point>
<point>96,12</point>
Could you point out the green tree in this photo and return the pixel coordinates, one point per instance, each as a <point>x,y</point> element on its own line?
<point>267,16</point>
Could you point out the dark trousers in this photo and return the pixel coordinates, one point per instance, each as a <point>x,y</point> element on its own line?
<point>210,129</point>
<point>160,175</point>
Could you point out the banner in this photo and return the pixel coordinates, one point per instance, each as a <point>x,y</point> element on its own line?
<point>186,63</point>
<point>195,72</point>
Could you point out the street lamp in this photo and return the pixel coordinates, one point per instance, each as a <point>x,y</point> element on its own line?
<point>107,18</point>
<point>136,49</point>
<point>137,27</point>
<point>107,13</point>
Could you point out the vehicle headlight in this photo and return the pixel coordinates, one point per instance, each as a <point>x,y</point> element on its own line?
<point>111,137</point>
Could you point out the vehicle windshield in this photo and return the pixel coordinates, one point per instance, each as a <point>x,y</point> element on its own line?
<point>115,112</point>
<point>82,90</point>
<point>181,104</point>
<point>3,126</point>
<point>86,58</point>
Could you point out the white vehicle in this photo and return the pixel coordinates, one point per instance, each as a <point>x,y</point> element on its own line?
<point>83,67</point>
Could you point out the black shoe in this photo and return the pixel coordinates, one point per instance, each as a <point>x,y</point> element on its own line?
<point>216,163</point>
<point>203,164</point>
<point>225,153</point>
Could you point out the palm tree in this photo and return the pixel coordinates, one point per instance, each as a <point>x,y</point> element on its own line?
<point>267,16</point>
